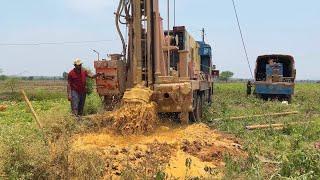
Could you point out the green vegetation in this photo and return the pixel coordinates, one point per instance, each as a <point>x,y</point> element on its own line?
<point>93,104</point>
<point>12,84</point>
<point>29,153</point>
<point>226,75</point>
<point>287,153</point>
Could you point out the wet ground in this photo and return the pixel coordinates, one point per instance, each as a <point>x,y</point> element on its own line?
<point>188,151</point>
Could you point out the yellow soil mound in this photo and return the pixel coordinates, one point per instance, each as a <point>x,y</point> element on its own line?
<point>3,107</point>
<point>138,94</point>
<point>135,118</point>
<point>144,147</point>
<point>191,151</point>
<point>137,114</point>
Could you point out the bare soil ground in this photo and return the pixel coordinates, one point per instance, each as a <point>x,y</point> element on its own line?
<point>181,152</point>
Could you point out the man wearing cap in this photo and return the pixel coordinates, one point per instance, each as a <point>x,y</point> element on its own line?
<point>77,87</point>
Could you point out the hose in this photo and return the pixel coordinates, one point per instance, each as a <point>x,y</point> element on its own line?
<point>117,20</point>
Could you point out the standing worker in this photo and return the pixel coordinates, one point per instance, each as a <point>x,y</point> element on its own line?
<point>77,87</point>
<point>249,87</point>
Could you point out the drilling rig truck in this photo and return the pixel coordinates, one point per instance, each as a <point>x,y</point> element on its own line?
<point>177,68</point>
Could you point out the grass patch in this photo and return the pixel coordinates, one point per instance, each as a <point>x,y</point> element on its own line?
<point>36,95</point>
<point>291,147</point>
<point>273,154</point>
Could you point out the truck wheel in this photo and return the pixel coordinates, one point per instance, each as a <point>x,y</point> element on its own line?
<point>198,110</point>
<point>289,99</point>
<point>210,97</point>
<point>265,97</point>
<point>195,115</point>
<point>184,117</point>
<point>206,98</point>
<point>192,115</point>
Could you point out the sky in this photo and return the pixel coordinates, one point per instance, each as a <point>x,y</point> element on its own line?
<point>269,26</point>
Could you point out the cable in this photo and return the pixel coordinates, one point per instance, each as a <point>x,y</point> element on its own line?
<point>168,35</point>
<point>52,43</point>
<point>174,13</point>
<point>241,34</point>
<point>121,7</point>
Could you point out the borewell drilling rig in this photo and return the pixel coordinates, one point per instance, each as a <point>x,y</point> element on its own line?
<point>171,63</point>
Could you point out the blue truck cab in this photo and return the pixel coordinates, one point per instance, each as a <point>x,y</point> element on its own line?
<point>205,53</point>
<point>275,77</point>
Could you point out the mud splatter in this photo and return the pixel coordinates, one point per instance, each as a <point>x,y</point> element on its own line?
<point>168,149</point>
<point>3,107</point>
<point>136,115</point>
<point>135,119</point>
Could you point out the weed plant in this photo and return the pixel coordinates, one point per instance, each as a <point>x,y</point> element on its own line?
<point>274,154</point>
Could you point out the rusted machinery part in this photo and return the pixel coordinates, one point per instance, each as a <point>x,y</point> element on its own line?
<point>138,94</point>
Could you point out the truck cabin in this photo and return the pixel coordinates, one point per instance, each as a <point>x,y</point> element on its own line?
<point>174,55</point>
<point>275,68</point>
<point>205,53</point>
<point>182,39</point>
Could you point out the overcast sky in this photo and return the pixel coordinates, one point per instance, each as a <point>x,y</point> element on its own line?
<point>269,26</point>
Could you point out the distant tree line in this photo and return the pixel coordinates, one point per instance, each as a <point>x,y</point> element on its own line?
<point>31,78</point>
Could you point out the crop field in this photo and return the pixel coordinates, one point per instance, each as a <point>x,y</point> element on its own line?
<point>289,152</point>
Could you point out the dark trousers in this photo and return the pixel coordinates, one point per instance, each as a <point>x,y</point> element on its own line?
<point>77,102</point>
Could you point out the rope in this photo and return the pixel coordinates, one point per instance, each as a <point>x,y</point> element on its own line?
<point>241,34</point>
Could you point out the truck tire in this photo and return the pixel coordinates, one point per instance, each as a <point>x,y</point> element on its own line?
<point>289,99</point>
<point>184,117</point>
<point>198,112</point>
<point>210,97</point>
<point>196,115</point>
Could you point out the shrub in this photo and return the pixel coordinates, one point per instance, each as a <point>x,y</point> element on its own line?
<point>12,84</point>
<point>301,163</point>
<point>86,164</point>
<point>28,153</point>
<point>23,152</point>
<point>90,83</point>
<point>93,104</point>
<point>41,95</point>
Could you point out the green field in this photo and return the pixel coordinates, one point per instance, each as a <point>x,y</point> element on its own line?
<point>272,154</point>
<point>287,153</point>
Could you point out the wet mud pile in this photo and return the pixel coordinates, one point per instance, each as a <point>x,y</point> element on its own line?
<point>135,119</point>
<point>3,107</point>
<point>132,143</point>
<point>190,151</point>
<point>136,115</point>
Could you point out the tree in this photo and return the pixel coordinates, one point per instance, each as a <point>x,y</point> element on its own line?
<point>226,75</point>
<point>3,77</point>
<point>12,83</point>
